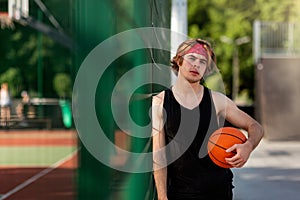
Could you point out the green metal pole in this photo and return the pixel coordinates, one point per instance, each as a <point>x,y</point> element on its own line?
<point>40,59</point>
<point>40,66</point>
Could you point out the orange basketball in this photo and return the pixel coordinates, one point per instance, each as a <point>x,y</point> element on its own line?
<point>221,140</point>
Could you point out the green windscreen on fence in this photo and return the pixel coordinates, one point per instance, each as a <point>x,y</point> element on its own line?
<point>121,97</point>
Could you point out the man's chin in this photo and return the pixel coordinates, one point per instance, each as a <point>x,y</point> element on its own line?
<point>193,80</point>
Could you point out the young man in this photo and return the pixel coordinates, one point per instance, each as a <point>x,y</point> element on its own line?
<point>183,117</point>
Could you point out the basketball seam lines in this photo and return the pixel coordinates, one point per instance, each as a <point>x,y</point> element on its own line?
<point>217,145</point>
<point>221,146</point>
<point>220,161</point>
<point>230,135</point>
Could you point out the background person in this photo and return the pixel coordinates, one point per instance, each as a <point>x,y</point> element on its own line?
<point>20,106</point>
<point>5,103</point>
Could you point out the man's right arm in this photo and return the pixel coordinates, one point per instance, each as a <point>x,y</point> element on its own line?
<point>159,156</point>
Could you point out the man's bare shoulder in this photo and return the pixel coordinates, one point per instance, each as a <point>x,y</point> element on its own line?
<point>220,100</point>
<point>159,98</point>
<point>218,96</point>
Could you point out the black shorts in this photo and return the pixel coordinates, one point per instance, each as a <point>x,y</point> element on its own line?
<point>221,193</point>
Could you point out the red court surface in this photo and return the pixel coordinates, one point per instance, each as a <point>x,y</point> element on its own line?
<point>38,137</point>
<point>33,183</point>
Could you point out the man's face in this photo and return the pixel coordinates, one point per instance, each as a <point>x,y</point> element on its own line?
<point>193,67</point>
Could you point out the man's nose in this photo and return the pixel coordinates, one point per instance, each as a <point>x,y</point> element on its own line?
<point>196,64</point>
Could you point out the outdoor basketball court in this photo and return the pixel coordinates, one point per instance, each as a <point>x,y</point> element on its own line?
<point>38,164</point>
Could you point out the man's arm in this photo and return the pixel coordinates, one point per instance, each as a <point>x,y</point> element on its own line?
<point>160,170</point>
<point>228,109</point>
<point>159,156</point>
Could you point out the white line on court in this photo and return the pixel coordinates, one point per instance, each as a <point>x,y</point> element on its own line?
<point>38,175</point>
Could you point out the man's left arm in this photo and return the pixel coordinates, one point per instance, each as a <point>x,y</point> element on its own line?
<point>242,120</point>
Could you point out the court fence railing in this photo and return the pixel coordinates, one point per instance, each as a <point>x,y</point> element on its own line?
<point>280,39</point>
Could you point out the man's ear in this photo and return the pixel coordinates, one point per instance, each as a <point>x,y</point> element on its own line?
<point>179,61</point>
<point>178,64</point>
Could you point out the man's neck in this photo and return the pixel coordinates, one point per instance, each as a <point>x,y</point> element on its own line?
<point>185,87</point>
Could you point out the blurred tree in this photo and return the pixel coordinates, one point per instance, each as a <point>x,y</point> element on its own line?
<point>62,85</point>
<point>19,50</point>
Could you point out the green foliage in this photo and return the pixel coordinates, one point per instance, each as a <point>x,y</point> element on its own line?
<point>62,85</point>
<point>275,10</point>
<point>19,49</point>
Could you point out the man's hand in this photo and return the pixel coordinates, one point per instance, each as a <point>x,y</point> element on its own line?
<point>243,152</point>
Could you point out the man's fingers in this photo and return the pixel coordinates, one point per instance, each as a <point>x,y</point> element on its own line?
<point>231,148</point>
<point>235,161</point>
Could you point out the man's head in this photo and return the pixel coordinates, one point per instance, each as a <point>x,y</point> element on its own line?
<point>198,46</point>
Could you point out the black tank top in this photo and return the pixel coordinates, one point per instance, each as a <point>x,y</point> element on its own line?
<point>192,174</point>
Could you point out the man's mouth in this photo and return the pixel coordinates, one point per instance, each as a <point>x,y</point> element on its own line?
<point>194,72</point>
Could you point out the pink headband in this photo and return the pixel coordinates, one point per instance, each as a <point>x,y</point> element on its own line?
<point>199,49</point>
